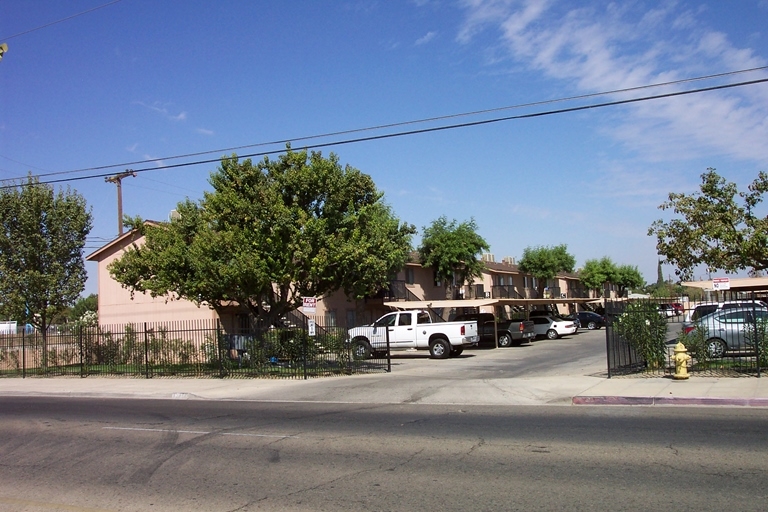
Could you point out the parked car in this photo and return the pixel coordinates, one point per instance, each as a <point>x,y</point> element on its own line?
<point>678,307</point>
<point>667,310</point>
<point>573,318</point>
<point>591,320</point>
<point>552,327</point>
<point>509,332</point>
<point>413,329</point>
<point>726,329</point>
<point>708,308</point>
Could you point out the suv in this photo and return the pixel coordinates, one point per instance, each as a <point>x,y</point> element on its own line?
<point>707,309</point>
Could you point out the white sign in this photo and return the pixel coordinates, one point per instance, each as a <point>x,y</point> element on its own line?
<point>310,304</point>
<point>311,327</point>
<point>721,283</point>
<point>8,327</point>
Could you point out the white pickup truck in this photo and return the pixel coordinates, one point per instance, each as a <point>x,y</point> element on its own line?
<point>413,329</point>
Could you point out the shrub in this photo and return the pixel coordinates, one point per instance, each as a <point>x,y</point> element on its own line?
<point>645,330</point>
<point>756,335</point>
<point>696,343</point>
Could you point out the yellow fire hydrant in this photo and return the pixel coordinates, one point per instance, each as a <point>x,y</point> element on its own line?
<point>681,361</point>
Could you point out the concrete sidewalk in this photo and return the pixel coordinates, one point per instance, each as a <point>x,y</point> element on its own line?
<point>415,389</point>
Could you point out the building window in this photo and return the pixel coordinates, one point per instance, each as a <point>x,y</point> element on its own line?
<point>330,317</point>
<point>409,275</point>
<point>351,318</point>
<point>438,282</point>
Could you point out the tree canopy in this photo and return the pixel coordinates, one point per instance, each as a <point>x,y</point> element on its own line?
<point>545,263</point>
<point>720,227</point>
<point>452,250</point>
<point>628,277</point>
<point>269,234</point>
<point>42,237</point>
<point>597,273</point>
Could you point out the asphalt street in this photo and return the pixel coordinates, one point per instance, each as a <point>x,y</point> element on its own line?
<point>77,454</point>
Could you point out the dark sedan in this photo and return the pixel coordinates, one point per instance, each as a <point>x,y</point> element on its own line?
<point>591,320</point>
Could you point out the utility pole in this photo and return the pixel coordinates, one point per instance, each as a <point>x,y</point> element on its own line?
<point>118,178</point>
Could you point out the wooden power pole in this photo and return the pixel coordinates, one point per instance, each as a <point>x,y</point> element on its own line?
<point>118,178</point>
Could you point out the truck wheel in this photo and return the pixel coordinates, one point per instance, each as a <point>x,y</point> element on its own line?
<point>505,340</point>
<point>456,352</point>
<point>551,334</point>
<point>361,349</point>
<point>439,348</point>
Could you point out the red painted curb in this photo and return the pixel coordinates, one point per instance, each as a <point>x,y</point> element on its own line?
<point>671,400</point>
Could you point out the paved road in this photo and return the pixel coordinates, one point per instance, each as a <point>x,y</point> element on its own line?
<point>163,455</point>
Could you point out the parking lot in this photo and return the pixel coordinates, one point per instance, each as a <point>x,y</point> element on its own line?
<point>574,355</point>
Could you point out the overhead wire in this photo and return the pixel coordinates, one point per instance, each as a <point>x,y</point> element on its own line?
<point>424,130</point>
<point>405,123</point>
<point>59,21</point>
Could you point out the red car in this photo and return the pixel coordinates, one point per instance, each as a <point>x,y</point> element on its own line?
<point>679,309</point>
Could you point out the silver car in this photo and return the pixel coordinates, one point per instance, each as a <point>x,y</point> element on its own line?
<point>727,329</point>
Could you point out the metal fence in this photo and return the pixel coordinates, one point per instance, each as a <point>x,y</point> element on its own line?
<point>182,349</point>
<point>724,337</point>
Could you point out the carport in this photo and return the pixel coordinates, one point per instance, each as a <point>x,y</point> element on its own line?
<point>478,303</point>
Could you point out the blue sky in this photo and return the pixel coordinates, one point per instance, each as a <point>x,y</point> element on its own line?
<point>142,80</point>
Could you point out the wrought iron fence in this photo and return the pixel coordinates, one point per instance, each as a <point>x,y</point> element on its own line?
<point>725,338</point>
<point>182,349</point>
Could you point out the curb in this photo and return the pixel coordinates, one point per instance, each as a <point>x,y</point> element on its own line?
<point>651,400</point>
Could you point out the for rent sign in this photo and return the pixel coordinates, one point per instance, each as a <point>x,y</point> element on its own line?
<point>309,304</point>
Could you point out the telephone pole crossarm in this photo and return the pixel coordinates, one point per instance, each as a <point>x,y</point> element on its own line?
<point>118,179</point>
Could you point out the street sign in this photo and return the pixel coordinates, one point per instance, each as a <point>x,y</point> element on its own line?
<point>311,327</point>
<point>309,304</point>
<point>721,283</point>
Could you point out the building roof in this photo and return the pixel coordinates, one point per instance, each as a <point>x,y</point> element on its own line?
<point>741,284</point>
<point>119,242</point>
<point>476,303</point>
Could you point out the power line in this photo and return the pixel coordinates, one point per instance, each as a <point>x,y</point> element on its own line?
<point>59,21</point>
<point>405,123</point>
<point>433,129</point>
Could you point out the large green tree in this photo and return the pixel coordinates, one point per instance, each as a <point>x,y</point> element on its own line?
<point>42,236</point>
<point>451,250</point>
<point>719,227</point>
<point>269,234</point>
<point>545,263</point>
<point>597,273</point>
<point>628,277</point>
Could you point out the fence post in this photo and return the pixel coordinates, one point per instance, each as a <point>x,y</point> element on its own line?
<point>608,328</point>
<point>758,335</point>
<point>24,353</point>
<point>82,355</point>
<point>146,352</point>
<point>305,344</point>
<point>389,353</point>
<point>218,348</point>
